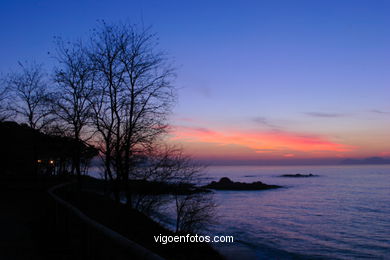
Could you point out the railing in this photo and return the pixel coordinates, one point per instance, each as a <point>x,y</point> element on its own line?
<point>95,240</point>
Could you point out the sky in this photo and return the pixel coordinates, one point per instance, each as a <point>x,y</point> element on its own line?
<point>258,80</point>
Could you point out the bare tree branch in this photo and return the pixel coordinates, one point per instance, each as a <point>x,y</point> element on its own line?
<point>28,89</point>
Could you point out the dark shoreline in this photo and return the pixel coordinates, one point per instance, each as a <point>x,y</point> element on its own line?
<point>116,216</point>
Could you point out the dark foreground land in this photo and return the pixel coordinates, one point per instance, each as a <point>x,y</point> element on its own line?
<point>24,221</point>
<point>34,227</point>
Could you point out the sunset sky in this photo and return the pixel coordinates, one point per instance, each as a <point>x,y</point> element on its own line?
<point>258,80</point>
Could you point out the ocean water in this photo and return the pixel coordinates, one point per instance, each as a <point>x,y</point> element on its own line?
<point>344,213</point>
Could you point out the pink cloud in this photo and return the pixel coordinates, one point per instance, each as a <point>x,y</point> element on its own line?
<point>281,143</point>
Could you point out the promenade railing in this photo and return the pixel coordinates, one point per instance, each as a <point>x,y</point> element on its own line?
<point>94,240</point>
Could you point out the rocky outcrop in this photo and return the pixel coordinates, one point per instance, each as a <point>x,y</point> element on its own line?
<point>227,184</point>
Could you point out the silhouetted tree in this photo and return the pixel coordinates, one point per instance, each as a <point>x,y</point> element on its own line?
<point>170,166</point>
<point>194,212</point>
<point>74,89</point>
<point>135,95</point>
<point>4,101</point>
<point>164,165</point>
<point>193,209</point>
<point>28,90</point>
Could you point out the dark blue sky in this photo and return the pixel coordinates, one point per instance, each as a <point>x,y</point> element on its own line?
<point>302,68</point>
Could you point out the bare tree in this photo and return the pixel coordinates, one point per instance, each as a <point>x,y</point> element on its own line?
<point>29,92</point>
<point>106,104</point>
<point>163,165</point>
<point>135,95</point>
<point>194,211</point>
<point>74,90</point>
<point>168,165</point>
<point>4,102</point>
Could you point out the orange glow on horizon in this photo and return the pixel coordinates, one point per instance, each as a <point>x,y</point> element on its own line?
<point>278,144</point>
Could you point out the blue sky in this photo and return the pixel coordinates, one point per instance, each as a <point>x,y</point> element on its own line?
<point>299,68</point>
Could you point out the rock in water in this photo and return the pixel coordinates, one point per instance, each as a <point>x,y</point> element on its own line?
<point>226,184</point>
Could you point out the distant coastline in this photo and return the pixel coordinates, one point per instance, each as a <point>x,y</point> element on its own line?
<point>370,160</point>
<point>296,162</point>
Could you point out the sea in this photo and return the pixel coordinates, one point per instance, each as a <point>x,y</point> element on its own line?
<point>341,213</point>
